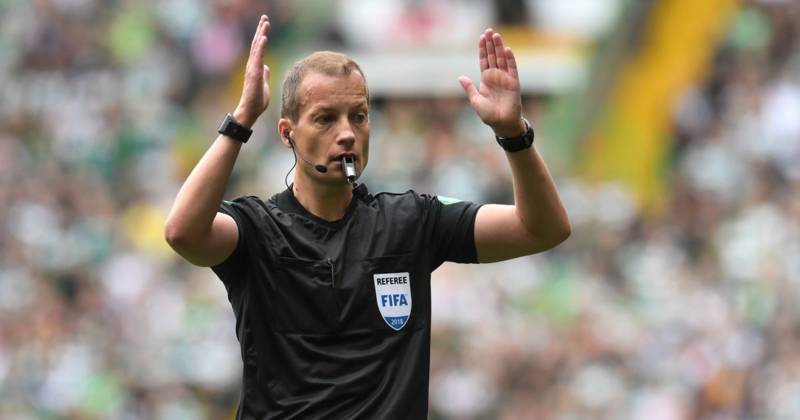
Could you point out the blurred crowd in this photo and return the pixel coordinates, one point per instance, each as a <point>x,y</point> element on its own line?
<point>688,312</point>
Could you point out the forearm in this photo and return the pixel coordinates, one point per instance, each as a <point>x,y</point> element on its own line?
<point>536,200</point>
<point>194,228</point>
<point>199,198</point>
<point>538,220</point>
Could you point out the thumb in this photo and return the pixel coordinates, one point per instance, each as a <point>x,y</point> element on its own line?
<point>265,73</point>
<point>469,88</point>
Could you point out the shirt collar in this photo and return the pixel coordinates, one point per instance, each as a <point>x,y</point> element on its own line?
<point>287,202</point>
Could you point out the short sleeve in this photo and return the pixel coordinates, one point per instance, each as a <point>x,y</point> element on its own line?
<point>235,266</point>
<point>451,225</point>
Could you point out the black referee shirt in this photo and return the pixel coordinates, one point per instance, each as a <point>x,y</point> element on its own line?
<point>334,318</point>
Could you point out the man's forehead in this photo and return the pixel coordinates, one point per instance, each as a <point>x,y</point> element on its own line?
<point>319,89</point>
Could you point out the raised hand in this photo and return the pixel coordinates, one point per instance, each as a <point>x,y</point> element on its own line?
<point>255,94</point>
<point>497,100</point>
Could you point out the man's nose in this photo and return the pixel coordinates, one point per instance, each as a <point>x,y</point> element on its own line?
<point>345,134</point>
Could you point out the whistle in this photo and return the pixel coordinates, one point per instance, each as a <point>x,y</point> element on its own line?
<point>349,168</point>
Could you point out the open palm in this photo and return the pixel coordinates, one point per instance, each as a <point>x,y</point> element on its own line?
<point>497,99</point>
<point>255,93</point>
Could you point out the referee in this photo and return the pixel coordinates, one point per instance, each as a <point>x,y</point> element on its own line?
<point>330,284</point>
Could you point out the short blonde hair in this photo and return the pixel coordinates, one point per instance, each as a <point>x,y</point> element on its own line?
<point>326,62</point>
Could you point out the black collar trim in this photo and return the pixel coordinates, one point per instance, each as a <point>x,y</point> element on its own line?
<point>287,202</point>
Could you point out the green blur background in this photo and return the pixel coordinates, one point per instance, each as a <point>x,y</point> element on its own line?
<point>672,128</point>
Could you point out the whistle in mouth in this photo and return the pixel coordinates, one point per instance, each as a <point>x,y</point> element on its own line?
<point>349,168</point>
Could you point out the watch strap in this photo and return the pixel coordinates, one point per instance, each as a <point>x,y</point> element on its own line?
<point>521,142</point>
<point>231,128</point>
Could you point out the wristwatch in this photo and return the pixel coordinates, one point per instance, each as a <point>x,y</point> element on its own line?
<point>521,142</point>
<point>234,130</point>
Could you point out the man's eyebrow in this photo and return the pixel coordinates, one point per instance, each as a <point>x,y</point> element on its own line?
<point>329,108</point>
<point>322,108</point>
<point>360,105</point>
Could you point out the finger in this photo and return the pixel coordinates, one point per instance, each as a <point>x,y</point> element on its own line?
<point>265,27</point>
<point>491,55</point>
<point>263,30</point>
<point>482,53</point>
<point>512,63</point>
<point>265,83</point>
<point>497,40</point>
<point>256,59</point>
<point>469,88</point>
<point>262,45</point>
<point>255,34</point>
<point>262,39</point>
<point>258,30</point>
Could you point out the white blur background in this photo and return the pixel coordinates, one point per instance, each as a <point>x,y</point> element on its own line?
<point>672,128</point>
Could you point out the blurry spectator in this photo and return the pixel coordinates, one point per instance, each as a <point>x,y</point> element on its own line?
<point>104,106</point>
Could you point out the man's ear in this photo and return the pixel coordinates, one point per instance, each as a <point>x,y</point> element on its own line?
<point>285,131</point>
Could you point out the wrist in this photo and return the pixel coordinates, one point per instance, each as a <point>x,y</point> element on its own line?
<point>511,130</point>
<point>234,129</point>
<point>243,118</point>
<point>519,142</point>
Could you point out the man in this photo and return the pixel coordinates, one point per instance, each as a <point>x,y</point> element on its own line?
<point>330,284</point>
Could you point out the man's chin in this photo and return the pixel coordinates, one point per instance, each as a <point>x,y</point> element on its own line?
<point>332,178</point>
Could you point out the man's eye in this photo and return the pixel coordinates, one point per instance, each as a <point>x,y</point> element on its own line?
<point>324,119</point>
<point>360,117</point>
